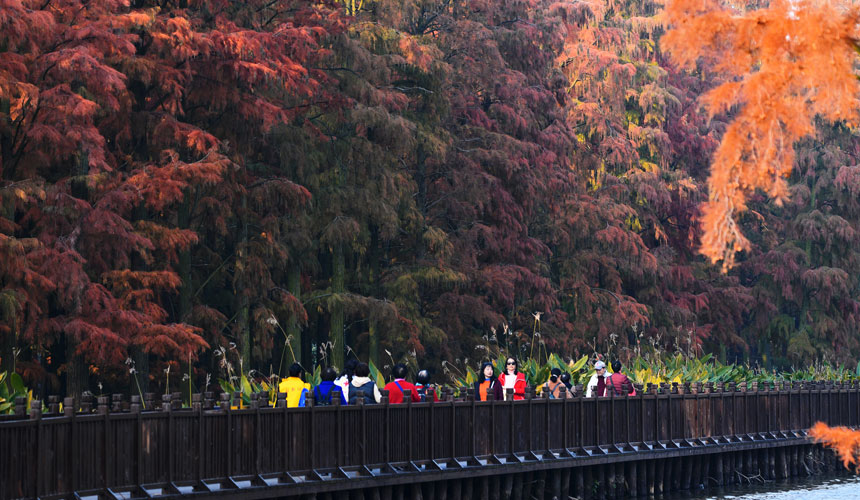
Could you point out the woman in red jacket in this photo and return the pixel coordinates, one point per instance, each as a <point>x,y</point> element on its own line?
<point>511,378</point>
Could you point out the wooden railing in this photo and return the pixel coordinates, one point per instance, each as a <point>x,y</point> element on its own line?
<point>117,448</point>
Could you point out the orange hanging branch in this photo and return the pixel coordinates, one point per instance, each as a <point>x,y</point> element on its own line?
<point>783,66</point>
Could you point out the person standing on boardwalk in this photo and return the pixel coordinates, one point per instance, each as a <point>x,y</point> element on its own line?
<point>361,387</point>
<point>346,377</point>
<point>597,384</point>
<point>426,392</point>
<point>512,378</point>
<point>295,388</point>
<point>616,382</point>
<point>400,385</point>
<point>327,389</point>
<point>488,384</point>
<point>554,384</point>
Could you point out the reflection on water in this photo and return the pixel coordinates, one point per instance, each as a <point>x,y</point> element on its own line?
<point>831,488</point>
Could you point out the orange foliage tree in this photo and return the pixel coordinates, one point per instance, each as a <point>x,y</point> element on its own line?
<point>784,65</point>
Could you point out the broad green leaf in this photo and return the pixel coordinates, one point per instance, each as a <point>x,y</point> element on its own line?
<point>376,375</point>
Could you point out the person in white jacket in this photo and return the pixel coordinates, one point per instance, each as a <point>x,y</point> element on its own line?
<point>346,377</point>
<point>595,387</point>
<point>362,387</point>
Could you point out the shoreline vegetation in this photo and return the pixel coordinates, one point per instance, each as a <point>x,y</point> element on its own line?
<point>658,369</point>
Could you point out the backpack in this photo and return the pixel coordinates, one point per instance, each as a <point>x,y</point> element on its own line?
<point>365,391</point>
<point>323,400</point>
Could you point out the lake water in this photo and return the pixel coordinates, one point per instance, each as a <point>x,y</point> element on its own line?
<point>832,488</point>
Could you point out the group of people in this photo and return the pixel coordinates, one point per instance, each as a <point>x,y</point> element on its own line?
<point>355,384</point>
<point>601,384</point>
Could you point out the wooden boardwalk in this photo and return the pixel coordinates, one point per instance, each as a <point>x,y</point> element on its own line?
<point>119,450</point>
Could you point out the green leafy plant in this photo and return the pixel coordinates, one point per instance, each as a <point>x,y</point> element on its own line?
<point>12,387</point>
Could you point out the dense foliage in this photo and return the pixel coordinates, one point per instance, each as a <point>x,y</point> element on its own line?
<point>218,186</point>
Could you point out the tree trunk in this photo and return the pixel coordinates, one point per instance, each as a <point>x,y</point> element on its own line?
<point>77,378</point>
<point>9,340</point>
<point>7,347</point>
<point>243,333</point>
<point>294,331</point>
<point>335,336</point>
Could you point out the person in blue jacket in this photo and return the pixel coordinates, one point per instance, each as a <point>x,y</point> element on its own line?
<point>323,392</point>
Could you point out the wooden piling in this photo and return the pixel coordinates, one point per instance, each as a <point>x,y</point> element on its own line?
<point>455,489</point>
<point>696,480</point>
<point>517,487</point>
<point>658,476</point>
<point>600,481</point>
<point>578,482</point>
<point>771,463</point>
<point>621,488</point>
<point>495,488</point>
<point>528,486</point>
<point>540,484</point>
<point>630,481</point>
<point>565,483</point>
<point>588,480</point>
<point>676,474</point>
<point>468,487</point>
<point>686,474</point>
<point>706,471</point>
<point>651,476</point>
<point>508,486</point>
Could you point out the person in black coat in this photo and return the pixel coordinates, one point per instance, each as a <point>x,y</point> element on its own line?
<point>488,383</point>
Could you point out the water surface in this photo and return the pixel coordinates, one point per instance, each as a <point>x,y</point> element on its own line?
<point>816,488</point>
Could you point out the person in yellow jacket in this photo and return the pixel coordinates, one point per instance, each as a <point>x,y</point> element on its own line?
<point>297,390</point>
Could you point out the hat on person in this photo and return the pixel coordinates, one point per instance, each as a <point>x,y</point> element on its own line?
<point>599,365</point>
